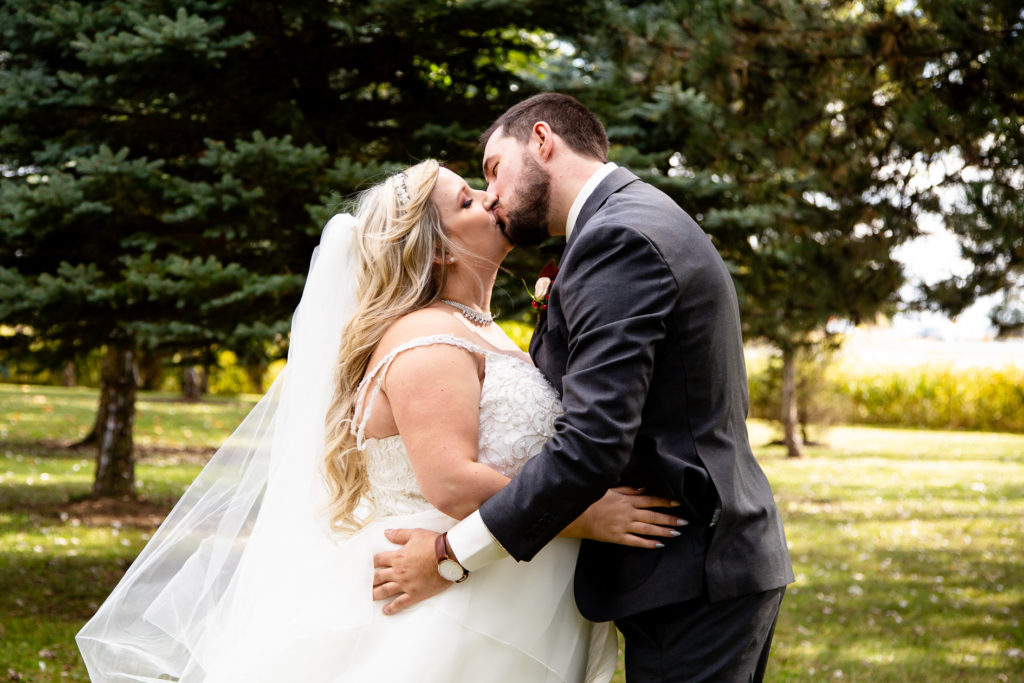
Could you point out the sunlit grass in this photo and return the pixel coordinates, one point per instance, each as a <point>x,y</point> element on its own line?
<point>66,414</point>
<point>907,544</point>
<point>57,564</point>
<point>907,549</point>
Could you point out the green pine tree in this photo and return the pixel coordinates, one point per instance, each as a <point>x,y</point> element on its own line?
<point>786,128</point>
<point>971,88</point>
<point>168,165</point>
<point>780,127</point>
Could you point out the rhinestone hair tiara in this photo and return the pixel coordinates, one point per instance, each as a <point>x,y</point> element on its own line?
<point>401,190</point>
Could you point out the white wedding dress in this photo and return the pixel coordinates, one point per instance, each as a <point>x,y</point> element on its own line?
<point>316,622</point>
<point>244,581</point>
<point>508,622</point>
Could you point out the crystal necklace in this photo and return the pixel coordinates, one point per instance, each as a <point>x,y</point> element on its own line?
<point>472,316</point>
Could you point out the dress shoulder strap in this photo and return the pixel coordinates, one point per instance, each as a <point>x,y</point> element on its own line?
<point>372,381</point>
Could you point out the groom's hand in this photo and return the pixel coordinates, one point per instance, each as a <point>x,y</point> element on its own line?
<point>410,573</point>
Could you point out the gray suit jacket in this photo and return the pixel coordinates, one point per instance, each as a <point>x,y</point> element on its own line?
<point>642,340</point>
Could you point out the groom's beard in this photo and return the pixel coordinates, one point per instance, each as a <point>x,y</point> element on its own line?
<point>526,223</point>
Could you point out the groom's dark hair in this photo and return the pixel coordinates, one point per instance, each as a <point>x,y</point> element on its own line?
<point>568,117</point>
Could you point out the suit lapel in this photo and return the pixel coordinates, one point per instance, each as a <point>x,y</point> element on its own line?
<point>615,181</point>
<point>551,359</point>
<point>538,332</point>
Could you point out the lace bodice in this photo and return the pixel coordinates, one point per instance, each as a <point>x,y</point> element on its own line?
<point>517,413</point>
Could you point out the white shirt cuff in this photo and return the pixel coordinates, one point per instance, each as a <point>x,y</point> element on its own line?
<point>473,544</point>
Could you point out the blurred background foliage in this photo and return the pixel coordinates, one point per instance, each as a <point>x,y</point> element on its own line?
<point>167,166</point>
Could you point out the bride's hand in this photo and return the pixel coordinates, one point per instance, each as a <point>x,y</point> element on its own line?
<point>623,516</point>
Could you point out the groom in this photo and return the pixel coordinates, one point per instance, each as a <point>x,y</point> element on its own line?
<point>641,336</point>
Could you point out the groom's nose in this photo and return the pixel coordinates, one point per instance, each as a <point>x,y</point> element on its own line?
<point>490,200</point>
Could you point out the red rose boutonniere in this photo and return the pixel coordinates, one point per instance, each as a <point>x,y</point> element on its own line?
<point>542,289</point>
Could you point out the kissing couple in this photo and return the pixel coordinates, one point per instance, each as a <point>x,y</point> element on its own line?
<point>506,509</point>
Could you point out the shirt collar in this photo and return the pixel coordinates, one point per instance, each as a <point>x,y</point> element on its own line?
<point>585,192</point>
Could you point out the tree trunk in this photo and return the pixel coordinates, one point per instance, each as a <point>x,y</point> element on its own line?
<point>93,437</point>
<point>67,375</point>
<point>115,466</point>
<point>789,417</point>
<point>191,384</point>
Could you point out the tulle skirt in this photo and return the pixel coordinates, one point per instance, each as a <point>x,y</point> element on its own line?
<point>313,619</point>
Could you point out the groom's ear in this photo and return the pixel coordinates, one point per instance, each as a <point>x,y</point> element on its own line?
<point>542,140</point>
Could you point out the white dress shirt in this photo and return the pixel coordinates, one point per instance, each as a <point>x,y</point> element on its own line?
<point>471,541</point>
<point>585,192</point>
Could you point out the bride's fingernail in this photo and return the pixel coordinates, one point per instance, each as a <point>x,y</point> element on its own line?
<point>674,503</point>
<point>681,522</point>
<point>676,533</point>
<point>659,545</point>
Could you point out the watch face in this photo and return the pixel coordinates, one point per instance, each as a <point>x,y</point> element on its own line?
<point>450,570</point>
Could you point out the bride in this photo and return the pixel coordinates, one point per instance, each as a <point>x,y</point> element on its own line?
<point>402,405</point>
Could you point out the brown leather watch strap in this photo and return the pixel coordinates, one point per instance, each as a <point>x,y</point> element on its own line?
<point>441,547</point>
<point>441,552</point>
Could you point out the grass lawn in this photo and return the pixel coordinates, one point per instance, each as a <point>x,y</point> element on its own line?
<point>907,545</point>
<point>908,555</point>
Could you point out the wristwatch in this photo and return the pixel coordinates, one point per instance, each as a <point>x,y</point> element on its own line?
<point>448,567</point>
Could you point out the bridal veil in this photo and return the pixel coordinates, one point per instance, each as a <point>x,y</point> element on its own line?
<point>237,531</point>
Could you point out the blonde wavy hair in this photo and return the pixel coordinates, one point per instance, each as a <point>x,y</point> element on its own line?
<point>401,252</point>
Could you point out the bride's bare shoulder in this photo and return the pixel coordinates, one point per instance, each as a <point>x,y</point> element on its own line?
<point>424,322</point>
